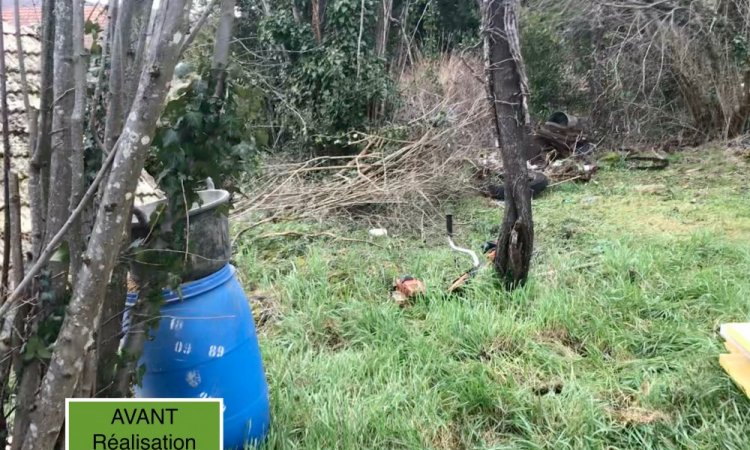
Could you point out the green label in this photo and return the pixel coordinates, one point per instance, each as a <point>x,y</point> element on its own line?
<point>143,424</point>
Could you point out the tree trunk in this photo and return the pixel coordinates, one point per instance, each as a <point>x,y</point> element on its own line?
<point>221,45</point>
<point>30,113</point>
<point>507,89</point>
<point>115,95</point>
<point>384,25</point>
<point>142,19</point>
<point>318,19</point>
<point>28,379</point>
<point>6,168</point>
<point>64,100</point>
<point>80,62</point>
<point>28,375</point>
<point>39,167</point>
<point>110,332</point>
<point>75,338</point>
<point>5,356</point>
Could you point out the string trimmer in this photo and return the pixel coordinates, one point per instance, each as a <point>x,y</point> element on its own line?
<point>461,281</point>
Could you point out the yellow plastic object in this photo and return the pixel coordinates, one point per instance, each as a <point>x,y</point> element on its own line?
<point>731,348</point>
<point>738,368</point>
<point>737,362</point>
<point>738,335</point>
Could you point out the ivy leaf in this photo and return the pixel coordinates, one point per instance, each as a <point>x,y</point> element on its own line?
<point>169,138</point>
<point>194,119</point>
<point>91,27</point>
<point>62,254</point>
<point>44,353</point>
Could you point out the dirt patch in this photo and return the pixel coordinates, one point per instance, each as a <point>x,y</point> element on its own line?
<point>561,339</point>
<point>555,387</point>
<point>332,336</point>
<point>446,438</point>
<point>627,411</point>
<point>501,346</point>
<point>266,308</point>
<point>635,415</point>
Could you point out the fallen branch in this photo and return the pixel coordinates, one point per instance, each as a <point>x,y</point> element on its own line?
<point>272,219</point>
<point>313,235</point>
<point>567,180</point>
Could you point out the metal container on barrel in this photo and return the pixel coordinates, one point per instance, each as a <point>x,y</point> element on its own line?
<point>206,345</point>
<point>209,247</point>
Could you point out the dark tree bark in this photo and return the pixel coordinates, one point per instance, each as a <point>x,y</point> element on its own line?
<point>507,89</point>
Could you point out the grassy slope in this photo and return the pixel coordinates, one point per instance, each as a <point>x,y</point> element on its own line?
<point>612,345</point>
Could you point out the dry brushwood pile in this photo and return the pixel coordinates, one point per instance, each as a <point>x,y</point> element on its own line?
<point>446,120</point>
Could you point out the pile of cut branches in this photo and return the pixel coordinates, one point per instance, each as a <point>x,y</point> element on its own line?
<point>402,177</point>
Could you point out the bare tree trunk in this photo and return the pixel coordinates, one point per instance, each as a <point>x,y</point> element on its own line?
<point>106,48</point>
<point>318,19</point>
<point>110,332</point>
<point>4,394</point>
<point>39,167</point>
<point>28,375</point>
<point>404,57</point>
<point>383,27</point>
<point>114,303</point>
<point>115,95</point>
<point>31,115</point>
<point>508,91</point>
<point>141,18</point>
<point>5,357</point>
<point>27,389</point>
<point>221,45</point>
<point>64,100</point>
<point>19,318</point>
<point>28,378</point>
<point>76,240</point>
<point>6,167</point>
<point>75,338</point>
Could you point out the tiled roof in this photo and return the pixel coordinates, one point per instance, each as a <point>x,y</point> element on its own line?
<point>32,15</point>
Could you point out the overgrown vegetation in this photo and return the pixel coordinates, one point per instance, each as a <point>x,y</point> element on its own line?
<point>612,344</point>
<point>376,110</point>
<point>668,74</point>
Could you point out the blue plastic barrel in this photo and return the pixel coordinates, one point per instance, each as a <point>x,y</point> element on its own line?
<point>206,347</point>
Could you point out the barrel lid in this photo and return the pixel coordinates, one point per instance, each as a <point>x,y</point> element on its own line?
<point>192,288</point>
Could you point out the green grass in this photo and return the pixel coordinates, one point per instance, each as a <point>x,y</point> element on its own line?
<point>612,344</point>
